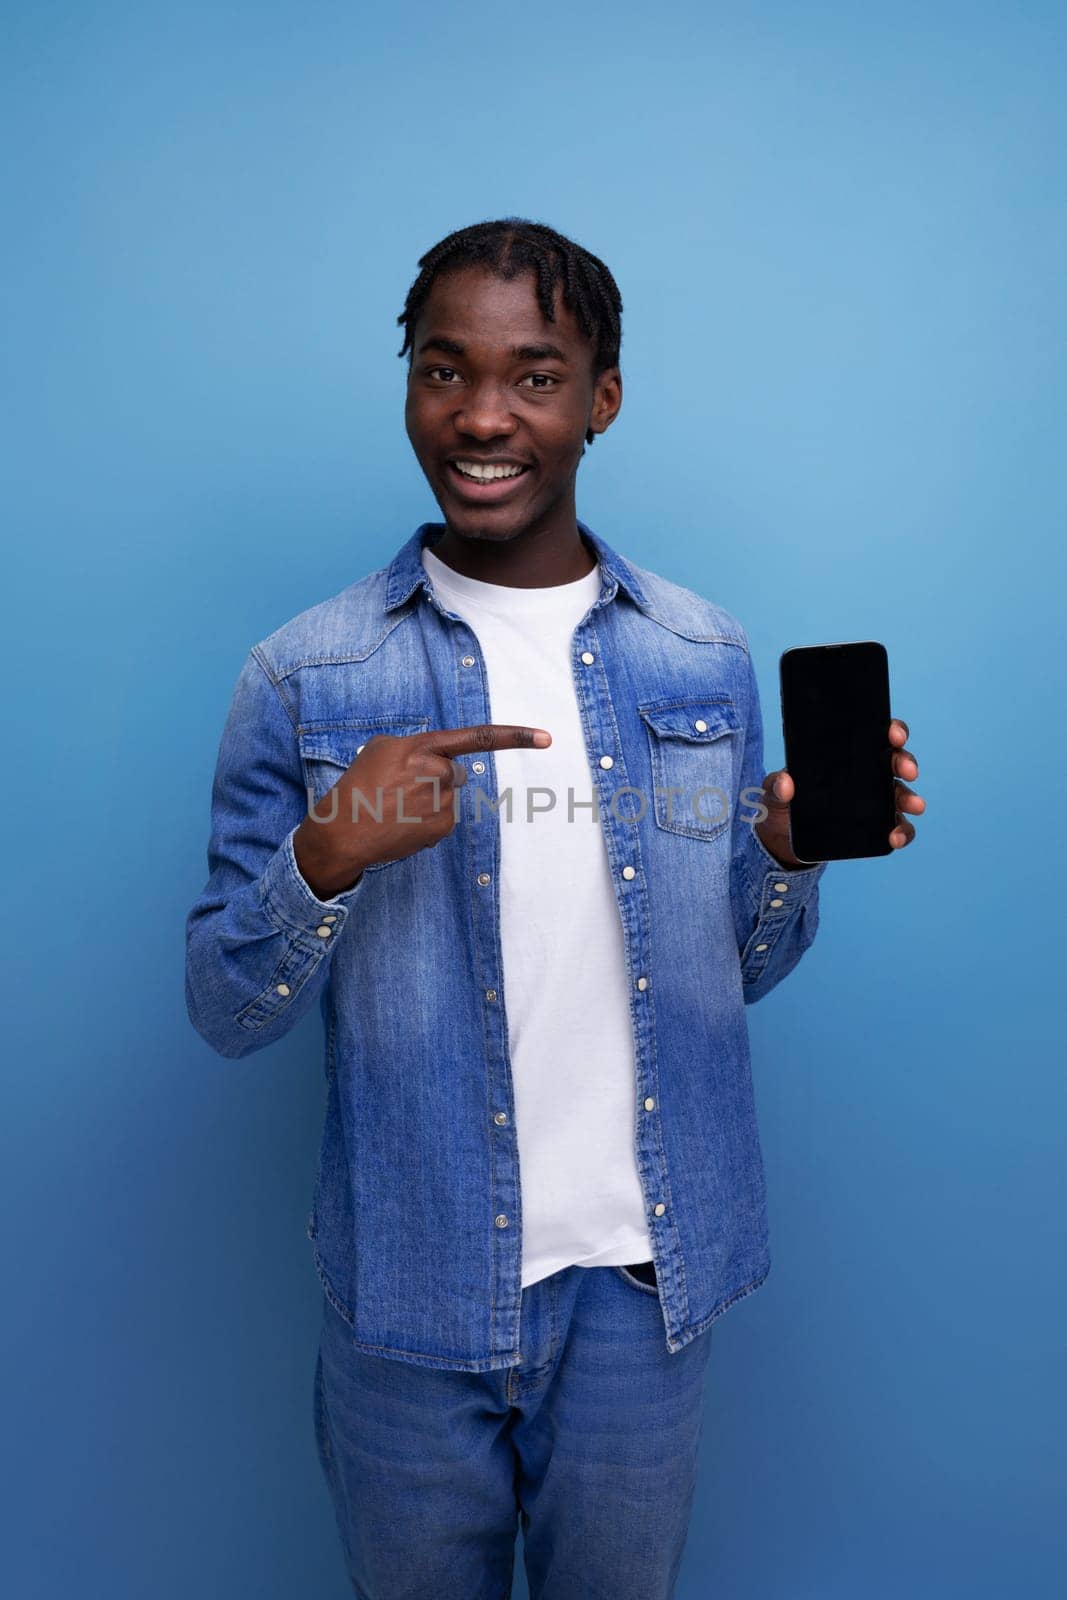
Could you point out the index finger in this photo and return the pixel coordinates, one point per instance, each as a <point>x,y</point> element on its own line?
<point>483,736</point>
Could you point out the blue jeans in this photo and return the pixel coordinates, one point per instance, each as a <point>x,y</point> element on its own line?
<point>592,1441</point>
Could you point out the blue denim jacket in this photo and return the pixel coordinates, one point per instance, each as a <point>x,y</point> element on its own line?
<point>417,1215</point>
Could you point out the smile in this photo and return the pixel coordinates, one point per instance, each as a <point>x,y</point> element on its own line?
<point>485,483</point>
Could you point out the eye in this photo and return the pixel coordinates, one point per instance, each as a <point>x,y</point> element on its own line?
<point>544,380</point>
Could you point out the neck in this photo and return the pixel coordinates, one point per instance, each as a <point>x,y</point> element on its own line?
<point>539,556</point>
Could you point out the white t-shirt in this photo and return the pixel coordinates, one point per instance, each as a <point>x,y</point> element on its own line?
<point>565,983</point>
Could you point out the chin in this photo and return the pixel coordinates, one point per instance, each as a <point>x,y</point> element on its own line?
<point>475,525</point>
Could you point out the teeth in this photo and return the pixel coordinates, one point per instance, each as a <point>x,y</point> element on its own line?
<point>473,469</point>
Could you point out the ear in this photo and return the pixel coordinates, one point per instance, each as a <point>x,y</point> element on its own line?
<point>607,399</point>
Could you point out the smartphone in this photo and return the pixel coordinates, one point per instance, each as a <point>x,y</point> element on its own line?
<point>835,725</point>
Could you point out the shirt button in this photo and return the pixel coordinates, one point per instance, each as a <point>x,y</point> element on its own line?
<point>501,1221</point>
<point>483,878</point>
<point>642,983</point>
<point>588,657</point>
<point>660,1209</point>
<point>701,727</point>
<point>324,932</point>
<point>468,661</point>
<point>629,872</point>
<point>650,1104</point>
<point>780,888</point>
<point>776,903</point>
<point>500,1118</point>
<point>329,919</point>
<point>761,947</point>
<point>490,994</point>
<point>606,761</point>
<point>283,988</point>
<point>477,766</point>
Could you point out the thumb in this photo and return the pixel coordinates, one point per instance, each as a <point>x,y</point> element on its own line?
<point>778,789</point>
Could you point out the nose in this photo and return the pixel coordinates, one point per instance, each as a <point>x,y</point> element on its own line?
<point>485,413</point>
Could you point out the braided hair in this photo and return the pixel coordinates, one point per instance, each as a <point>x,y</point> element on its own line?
<point>512,245</point>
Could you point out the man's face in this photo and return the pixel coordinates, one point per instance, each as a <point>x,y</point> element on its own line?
<point>492,381</point>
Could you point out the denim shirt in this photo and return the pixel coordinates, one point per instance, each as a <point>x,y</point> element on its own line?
<point>416,1221</point>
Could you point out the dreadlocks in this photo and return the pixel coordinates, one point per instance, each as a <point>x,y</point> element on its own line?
<point>512,245</point>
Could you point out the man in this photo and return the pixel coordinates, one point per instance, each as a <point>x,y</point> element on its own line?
<point>498,807</point>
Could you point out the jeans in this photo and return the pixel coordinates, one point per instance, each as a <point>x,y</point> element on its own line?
<point>591,1442</point>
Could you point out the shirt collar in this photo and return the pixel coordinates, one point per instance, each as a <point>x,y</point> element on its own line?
<point>406,571</point>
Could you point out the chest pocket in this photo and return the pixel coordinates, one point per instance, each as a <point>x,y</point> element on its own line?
<point>328,748</point>
<point>695,748</point>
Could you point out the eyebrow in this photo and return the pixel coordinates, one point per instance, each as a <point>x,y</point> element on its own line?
<point>520,352</point>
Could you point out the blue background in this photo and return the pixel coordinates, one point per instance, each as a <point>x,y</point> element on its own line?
<point>839,234</point>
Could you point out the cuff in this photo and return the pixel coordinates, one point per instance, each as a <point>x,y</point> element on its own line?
<point>773,890</point>
<point>807,874</point>
<point>293,907</point>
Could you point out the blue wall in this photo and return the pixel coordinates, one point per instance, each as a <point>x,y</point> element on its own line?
<point>840,239</point>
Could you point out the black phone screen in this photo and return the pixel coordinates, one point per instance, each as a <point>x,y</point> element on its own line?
<point>835,725</point>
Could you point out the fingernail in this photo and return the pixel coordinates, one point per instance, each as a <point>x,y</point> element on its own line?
<point>541,738</point>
